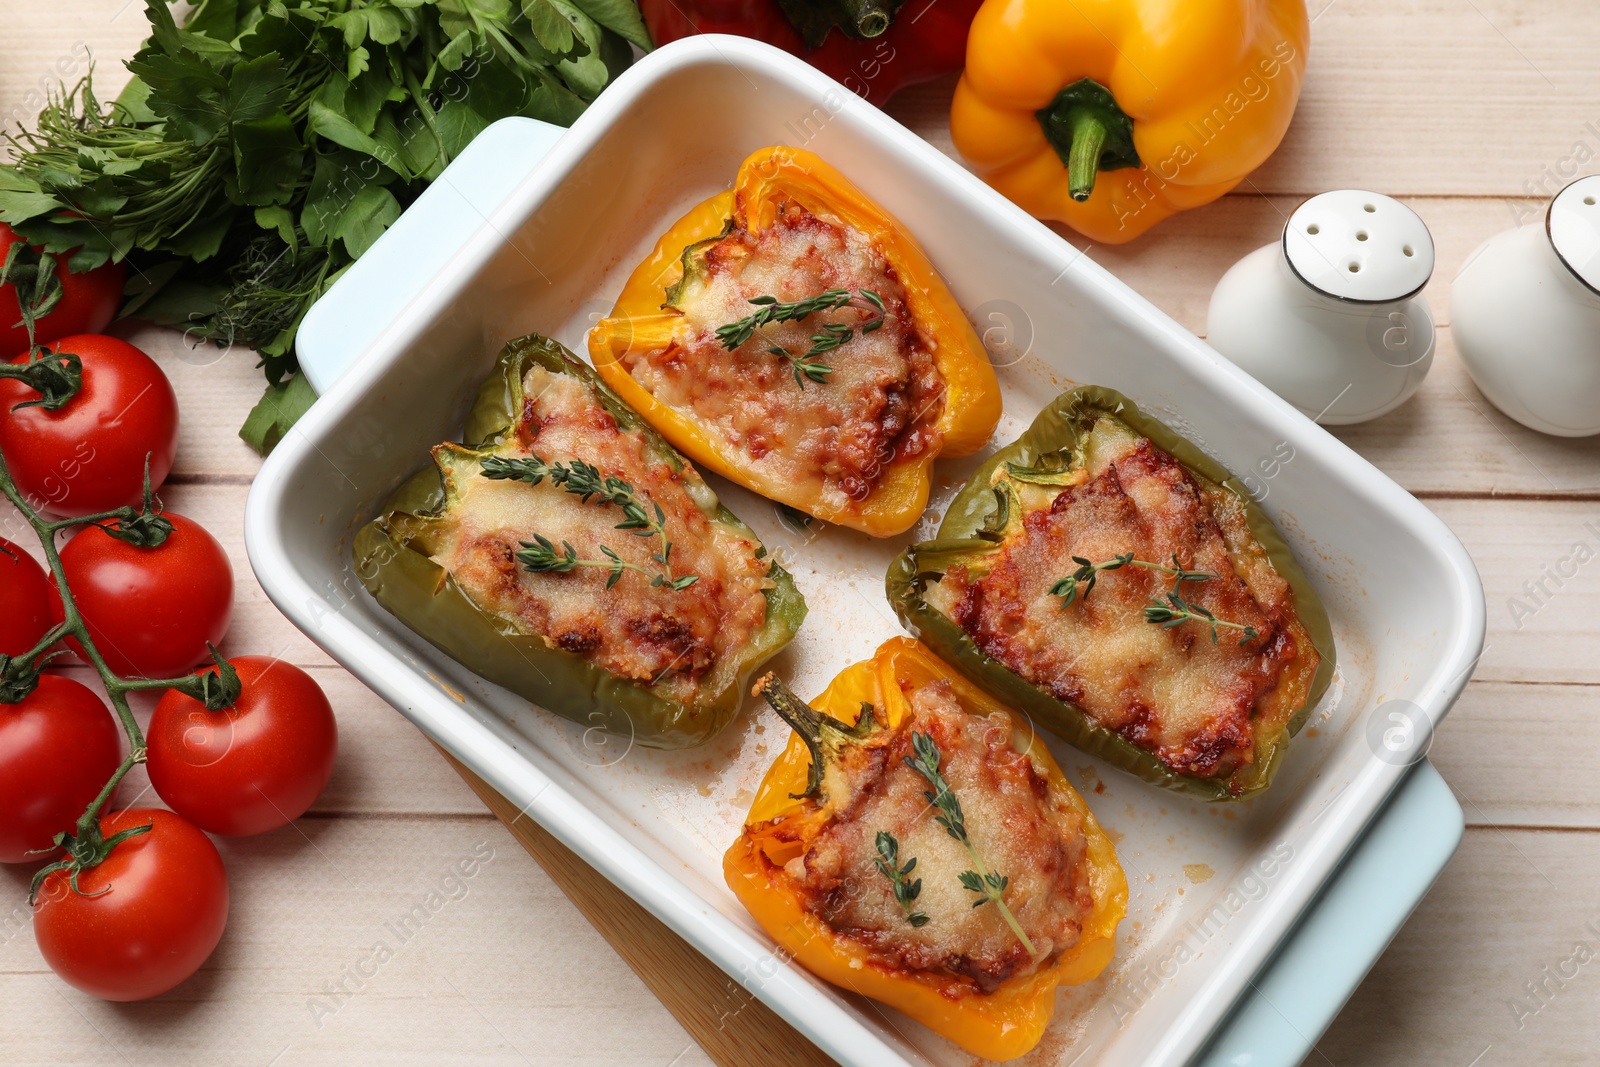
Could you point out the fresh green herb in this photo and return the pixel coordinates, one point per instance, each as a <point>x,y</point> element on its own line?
<point>989,885</point>
<point>1173,610</point>
<point>264,146</point>
<point>1068,588</point>
<point>1080,582</point>
<point>586,482</point>
<point>806,366</point>
<point>906,888</point>
<point>1176,611</point>
<point>540,557</point>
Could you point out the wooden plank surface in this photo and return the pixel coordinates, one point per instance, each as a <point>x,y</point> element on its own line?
<point>1463,108</point>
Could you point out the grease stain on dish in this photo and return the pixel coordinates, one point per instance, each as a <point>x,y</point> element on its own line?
<point>1198,873</point>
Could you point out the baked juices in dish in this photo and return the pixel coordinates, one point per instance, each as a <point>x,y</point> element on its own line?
<point>916,843</point>
<point>790,335</point>
<point>1110,579</point>
<point>567,553</point>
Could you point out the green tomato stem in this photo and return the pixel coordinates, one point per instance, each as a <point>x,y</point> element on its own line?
<point>73,625</point>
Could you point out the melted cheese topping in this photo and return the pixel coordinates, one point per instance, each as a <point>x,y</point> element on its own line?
<point>1169,690</point>
<point>684,641</point>
<point>1017,826</point>
<point>831,440</point>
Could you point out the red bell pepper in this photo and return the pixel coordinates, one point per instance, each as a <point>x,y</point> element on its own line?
<point>873,47</point>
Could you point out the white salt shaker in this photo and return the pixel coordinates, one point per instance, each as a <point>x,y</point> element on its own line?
<point>1525,311</point>
<point>1329,318</point>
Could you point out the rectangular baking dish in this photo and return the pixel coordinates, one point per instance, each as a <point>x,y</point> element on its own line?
<point>398,353</point>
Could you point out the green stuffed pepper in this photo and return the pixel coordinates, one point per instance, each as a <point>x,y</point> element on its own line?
<point>1108,578</point>
<point>568,553</point>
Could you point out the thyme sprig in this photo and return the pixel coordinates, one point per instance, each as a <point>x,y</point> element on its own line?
<point>989,885</point>
<point>587,482</point>
<point>806,366</point>
<point>906,888</point>
<point>1176,611</point>
<point>1080,583</point>
<point>540,556</point>
<point>1173,610</point>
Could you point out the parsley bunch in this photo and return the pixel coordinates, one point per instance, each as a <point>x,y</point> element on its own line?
<point>266,144</point>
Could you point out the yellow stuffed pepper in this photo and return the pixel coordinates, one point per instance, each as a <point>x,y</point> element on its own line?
<point>1111,115</point>
<point>917,844</point>
<point>792,336</point>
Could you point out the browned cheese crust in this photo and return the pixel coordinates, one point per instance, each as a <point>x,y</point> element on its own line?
<point>684,640</point>
<point>879,405</point>
<point>1017,825</point>
<point>1194,704</point>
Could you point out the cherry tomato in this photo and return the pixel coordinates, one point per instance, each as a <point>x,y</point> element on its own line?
<point>250,768</point>
<point>145,919</point>
<point>89,455</point>
<point>88,302</point>
<point>150,611</point>
<point>24,600</point>
<point>58,749</point>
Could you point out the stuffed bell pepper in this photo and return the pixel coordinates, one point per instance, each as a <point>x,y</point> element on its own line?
<point>916,844</point>
<point>1108,578</point>
<point>791,336</point>
<point>569,554</point>
<point>1112,115</point>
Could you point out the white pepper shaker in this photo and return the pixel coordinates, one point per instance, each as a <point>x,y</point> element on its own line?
<point>1329,318</point>
<point>1525,311</point>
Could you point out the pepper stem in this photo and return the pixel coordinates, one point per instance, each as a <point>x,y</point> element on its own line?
<point>820,732</point>
<point>860,19</point>
<point>868,18</point>
<point>1083,159</point>
<point>1089,133</point>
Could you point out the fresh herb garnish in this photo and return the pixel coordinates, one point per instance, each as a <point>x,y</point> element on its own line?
<point>1177,611</point>
<point>989,885</point>
<point>832,335</point>
<point>1080,582</point>
<point>906,888</point>
<point>1174,610</point>
<point>587,482</point>
<point>262,147</point>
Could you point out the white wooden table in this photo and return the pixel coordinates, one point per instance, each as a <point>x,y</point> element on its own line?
<point>1472,112</point>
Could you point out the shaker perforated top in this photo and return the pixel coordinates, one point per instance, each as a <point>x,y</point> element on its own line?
<point>1359,246</point>
<point>1573,223</point>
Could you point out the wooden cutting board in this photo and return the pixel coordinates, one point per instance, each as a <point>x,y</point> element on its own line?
<point>733,1027</point>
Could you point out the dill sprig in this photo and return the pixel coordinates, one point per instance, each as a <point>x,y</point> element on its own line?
<point>906,888</point>
<point>1173,610</point>
<point>806,366</point>
<point>989,885</point>
<point>587,482</point>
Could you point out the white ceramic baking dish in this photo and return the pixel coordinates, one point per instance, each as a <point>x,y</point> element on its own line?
<point>399,346</point>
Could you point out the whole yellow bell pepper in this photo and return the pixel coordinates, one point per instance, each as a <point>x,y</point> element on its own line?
<point>1174,100</point>
<point>971,401</point>
<point>998,1025</point>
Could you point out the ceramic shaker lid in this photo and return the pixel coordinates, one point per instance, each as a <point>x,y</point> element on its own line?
<point>1574,227</point>
<point>1360,246</point>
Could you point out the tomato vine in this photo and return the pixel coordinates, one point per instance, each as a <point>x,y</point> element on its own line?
<point>143,527</point>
